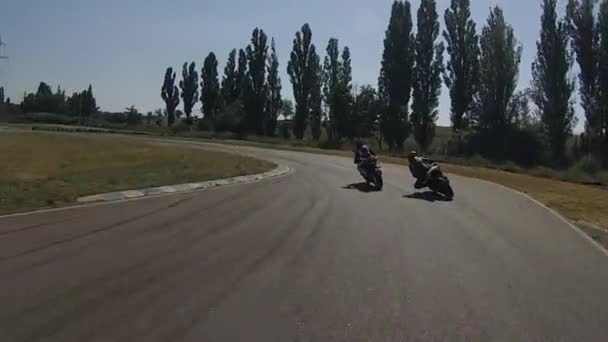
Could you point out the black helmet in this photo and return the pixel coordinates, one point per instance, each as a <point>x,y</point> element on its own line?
<point>412,155</point>
<point>359,144</point>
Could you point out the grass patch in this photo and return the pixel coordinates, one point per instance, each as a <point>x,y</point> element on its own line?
<point>510,166</point>
<point>577,174</point>
<point>602,177</point>
<point>589,164</point>
<point>40,170</point>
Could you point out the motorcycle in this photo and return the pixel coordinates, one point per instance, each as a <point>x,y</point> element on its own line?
<point>439,183</point>
<point>372,173</point>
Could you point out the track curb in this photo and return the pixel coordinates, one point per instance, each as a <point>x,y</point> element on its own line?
<point>280,170</point>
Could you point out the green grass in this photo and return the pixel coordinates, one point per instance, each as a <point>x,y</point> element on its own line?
<point>41,169</point>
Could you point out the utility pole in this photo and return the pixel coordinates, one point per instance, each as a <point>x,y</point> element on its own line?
<point>1,57</point>
<point>1,45</point>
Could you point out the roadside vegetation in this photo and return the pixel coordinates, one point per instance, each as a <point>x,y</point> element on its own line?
<point>41,170</point>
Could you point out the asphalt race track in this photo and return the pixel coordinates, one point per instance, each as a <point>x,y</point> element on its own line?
<point>312,256</point>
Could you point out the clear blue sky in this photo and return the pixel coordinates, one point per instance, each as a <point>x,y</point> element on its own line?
<point>123,47</point>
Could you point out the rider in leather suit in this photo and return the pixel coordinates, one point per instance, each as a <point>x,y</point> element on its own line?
<point>420,168</point>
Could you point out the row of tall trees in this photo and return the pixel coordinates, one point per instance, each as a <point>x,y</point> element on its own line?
<point>395,81</point>
<point>481,73</point>
<point>250,91</point>
<point>247,99</point>
<point>304,71</point>
<point>499,60</point>
<point>81,104</point>
<point>324,93</point>
<point>587,26</point>
<point>552,87</point>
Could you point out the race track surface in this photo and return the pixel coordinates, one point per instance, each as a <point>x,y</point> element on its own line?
<point>313,256</point>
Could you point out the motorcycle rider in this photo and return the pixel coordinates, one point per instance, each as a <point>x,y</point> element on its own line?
<point>363,155</point>
<point>420,168</point>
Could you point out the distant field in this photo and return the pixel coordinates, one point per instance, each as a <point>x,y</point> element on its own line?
<point>41,170</point>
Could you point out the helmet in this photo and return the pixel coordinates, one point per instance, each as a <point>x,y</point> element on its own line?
<point>359,144</point>
<point>411,156</point>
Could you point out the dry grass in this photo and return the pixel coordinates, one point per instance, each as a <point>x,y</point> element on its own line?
<point>40,169</point>
<point>578,202</point>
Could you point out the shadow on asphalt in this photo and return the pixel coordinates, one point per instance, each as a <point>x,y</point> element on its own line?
<point>428,196</point>
<point>362,187</point>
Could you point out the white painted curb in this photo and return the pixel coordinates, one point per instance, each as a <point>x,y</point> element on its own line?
<point>131,194</point>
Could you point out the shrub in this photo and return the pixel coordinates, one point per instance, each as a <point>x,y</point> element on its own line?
<point>50,118</point>
<point>284,130</point>
<point>478,160</point>
<point>181,126</point>
<point>115,118</point>
<point>545,172</point>
<point>326,144</point>
<point>456,144</point>
<point>230,119</point>
<point>133,117</point>
<point>590,164</point>
<point>577,174</point>
<point>602,177</point>
<point>523,146</point>
<point>204,125</point>
<point>526,146</point>
<point>510,167</point>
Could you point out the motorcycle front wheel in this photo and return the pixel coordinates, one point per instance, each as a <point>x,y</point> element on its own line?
<point>378,181</point>
<point>442,186</point>
<point>448,192</point>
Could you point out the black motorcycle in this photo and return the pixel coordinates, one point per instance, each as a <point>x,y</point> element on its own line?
<point>439,183</point>
<point>372,173</point>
